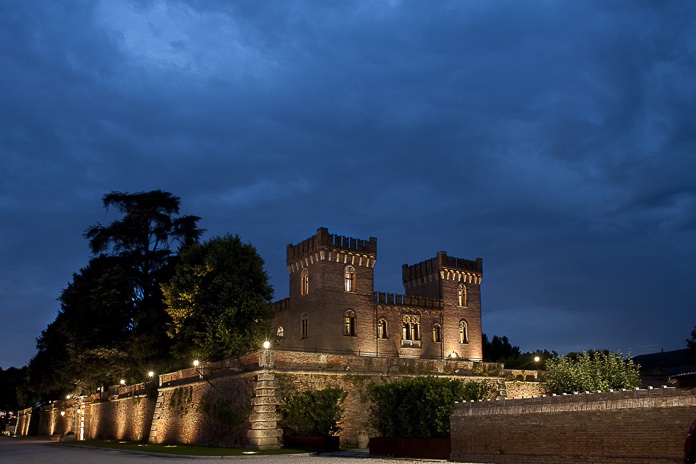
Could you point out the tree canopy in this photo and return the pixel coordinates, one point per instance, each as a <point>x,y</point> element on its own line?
<point>112,319</point>
<point>691,343</point>
<point>219,300</point>
<point>591,371</point>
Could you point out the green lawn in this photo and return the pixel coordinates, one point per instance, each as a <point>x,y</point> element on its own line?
<point>188,450</point>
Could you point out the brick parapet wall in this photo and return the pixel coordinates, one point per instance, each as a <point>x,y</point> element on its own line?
<point>636,426</point>
<point>299,360</point>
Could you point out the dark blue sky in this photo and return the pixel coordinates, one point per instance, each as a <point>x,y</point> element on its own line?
<point>554,139</point>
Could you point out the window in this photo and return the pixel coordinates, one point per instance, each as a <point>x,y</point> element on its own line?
<point>349,275</point>
<point>437,333</point>
<point>463,332</point>
<point>349,323</point>
<point>304,282</point>
<point>304,329</point>
<point>410,331</point>
<point>279,332</point>
<point>382,328</point>
<point>461,295</point>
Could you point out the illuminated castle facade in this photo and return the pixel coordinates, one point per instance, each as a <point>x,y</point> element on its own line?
<point>333,306</point>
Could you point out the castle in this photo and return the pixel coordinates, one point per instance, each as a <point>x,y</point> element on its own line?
<point>333,307</point>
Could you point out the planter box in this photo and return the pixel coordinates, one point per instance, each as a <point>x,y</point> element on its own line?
<point>312,443</point>
<point>422,448</point>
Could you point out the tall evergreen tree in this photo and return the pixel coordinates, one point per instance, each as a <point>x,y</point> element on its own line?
<point>112,322</point>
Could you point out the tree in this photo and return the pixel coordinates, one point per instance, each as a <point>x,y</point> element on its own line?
<point>14,390</point>
<point>691,343</point>
<point>112,320</point>
<point>499,349</point>
<point>591,371</point>
<point>143,241</point>
<point>219,300</point>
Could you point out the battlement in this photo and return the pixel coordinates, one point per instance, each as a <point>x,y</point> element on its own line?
<point>323,240</point>
<point>407,300</point>
<point>440,263</point>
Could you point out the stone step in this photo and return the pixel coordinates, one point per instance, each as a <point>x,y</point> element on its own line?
<point>264,425</point>
<point>264,433</point>
<point>265,384</point>
<point>265,408</point>
<point>257,442</point>
<point>264,417</point>
<point>265,392</point>
<point>264,400</point>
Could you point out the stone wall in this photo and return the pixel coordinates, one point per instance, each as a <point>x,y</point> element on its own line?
<point>237,402</point>
<point>122,417</point>
<point>636,426</point>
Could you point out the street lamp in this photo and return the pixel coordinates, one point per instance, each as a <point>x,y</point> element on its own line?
<point>195,363</point>
<point>122,382</point>
<point>266,345</point>
<point>151,374</point>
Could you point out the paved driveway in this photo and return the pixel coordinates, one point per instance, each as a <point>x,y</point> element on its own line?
<point>24,451</point>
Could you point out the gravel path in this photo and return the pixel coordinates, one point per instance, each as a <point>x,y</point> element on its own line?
<point>24,451</point>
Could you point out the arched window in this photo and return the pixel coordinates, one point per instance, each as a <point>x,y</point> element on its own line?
<point>461,295</point>
<point>304,329</point>
<point>349,276</point>
<point>279,332</point>
<point>382,328</point>
<point>437,333</point>
<point>411,328</point>
<point>304,282</point>
<point>463,332</point>
<point>349,323</point>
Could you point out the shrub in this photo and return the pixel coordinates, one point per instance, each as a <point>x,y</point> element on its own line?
<point>420,407</point>
<point>314,412</point>
<point>591,371</point>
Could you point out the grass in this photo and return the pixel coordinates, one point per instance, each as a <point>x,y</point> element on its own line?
<point>184,450</point>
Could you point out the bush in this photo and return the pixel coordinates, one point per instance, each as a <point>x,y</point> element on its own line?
<point>591,371</point>
<point>420,407</point>
<point>314,412</point>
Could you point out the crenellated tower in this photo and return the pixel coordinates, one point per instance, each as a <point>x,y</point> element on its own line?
<point>331,292</point>
<point>457,283</point>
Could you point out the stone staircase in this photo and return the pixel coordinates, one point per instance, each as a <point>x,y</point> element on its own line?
<point>502,390</point>
<point>152,438</point>
<point>265,432</point>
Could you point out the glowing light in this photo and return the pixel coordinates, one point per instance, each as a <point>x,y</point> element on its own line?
<point>266,345</point>
<point>453,354</point>
<point>195,363</point>
<point>537,359</point>
<point>150,374</point>
<point>122,382</point>
<point>62,413</point>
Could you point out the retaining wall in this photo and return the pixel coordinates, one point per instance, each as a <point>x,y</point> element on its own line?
<point>636,427</point>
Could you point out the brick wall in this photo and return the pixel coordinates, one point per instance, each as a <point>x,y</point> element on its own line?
<point>637,426</point>
<point>209,413</point>
<point>127,418</point>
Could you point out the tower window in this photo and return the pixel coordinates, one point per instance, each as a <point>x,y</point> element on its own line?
<point>463,332</point>
<point>279,332</point>
<point>349,323</point>
<point>349,276</point>
<point>411,328</point>
<point>461,295</point>
<point>304,328</point>
<point>437,333</point>
<point>382,328</point>
<point>304,285</point>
